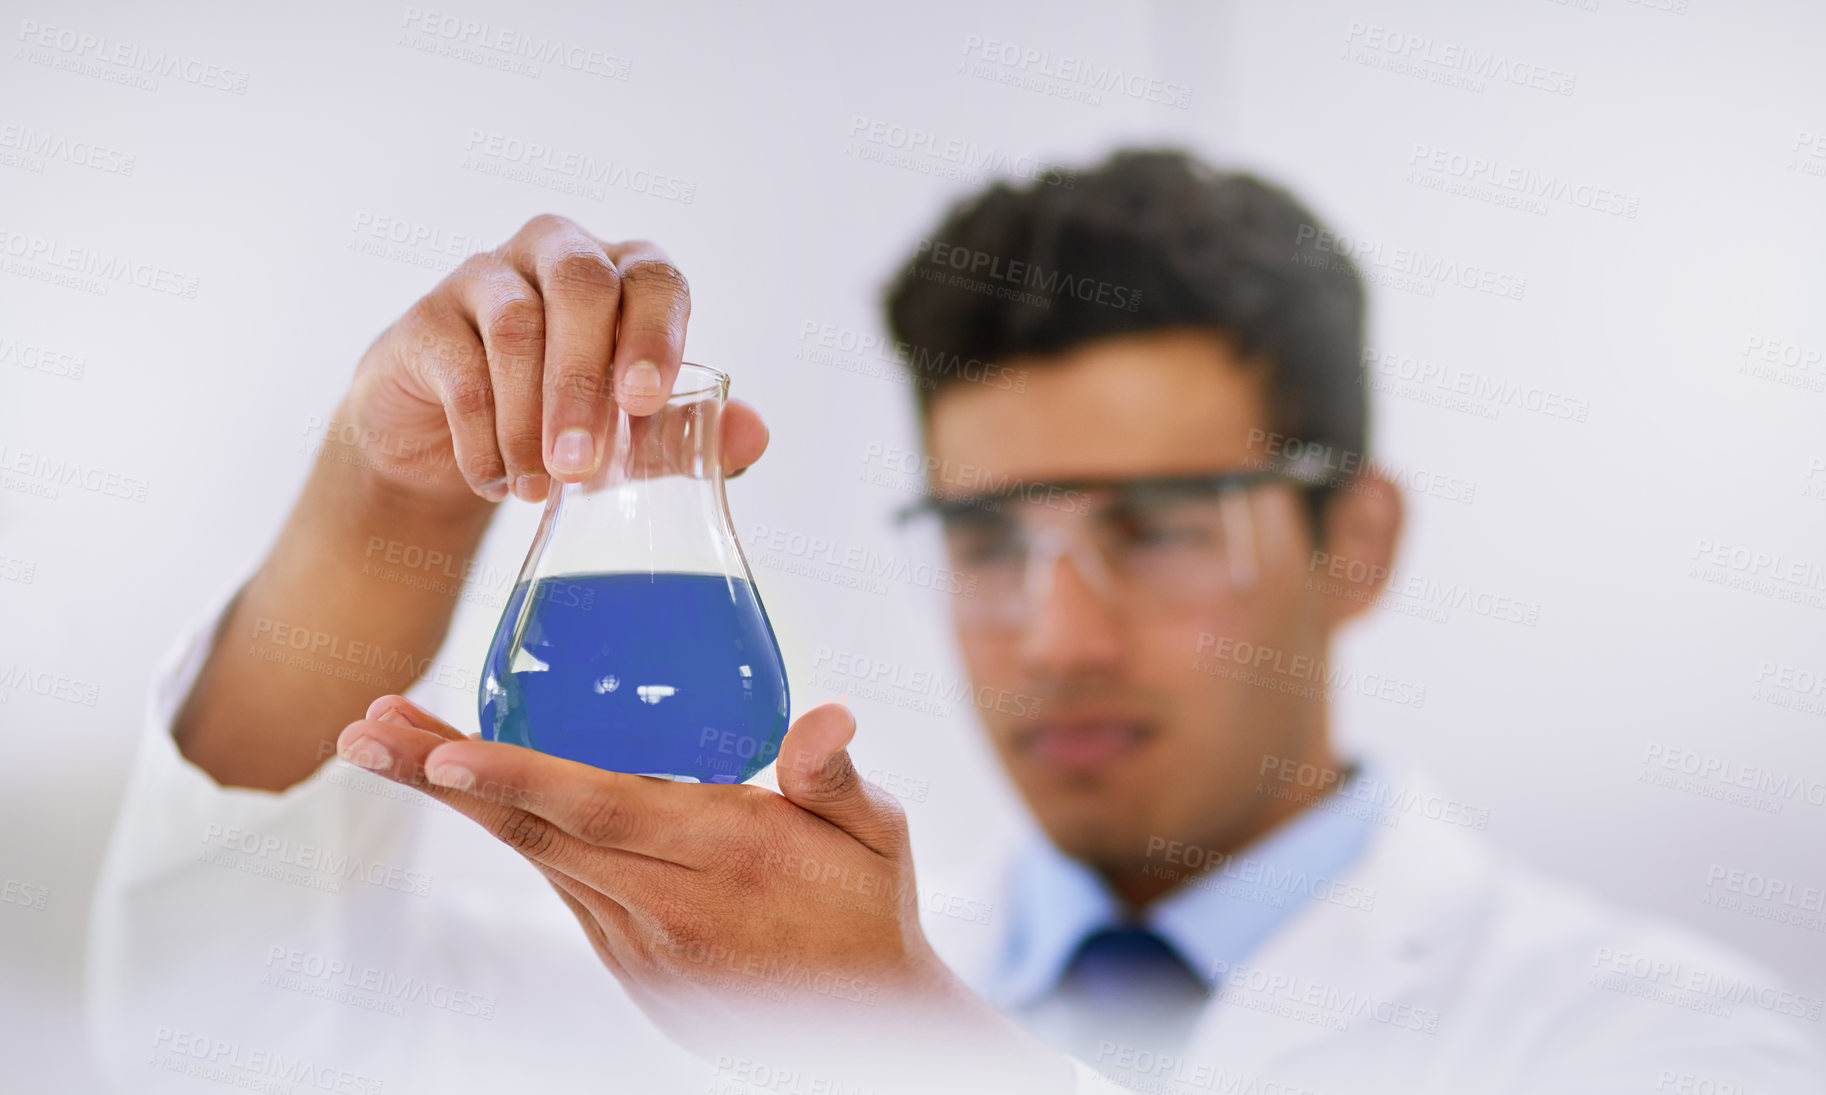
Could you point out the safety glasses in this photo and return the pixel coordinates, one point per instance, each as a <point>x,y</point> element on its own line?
<point>1142,543</point>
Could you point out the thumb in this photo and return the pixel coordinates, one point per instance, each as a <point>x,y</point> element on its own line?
<point>815,774</point>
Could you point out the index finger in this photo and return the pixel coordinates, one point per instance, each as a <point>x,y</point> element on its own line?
<point>641,814</point>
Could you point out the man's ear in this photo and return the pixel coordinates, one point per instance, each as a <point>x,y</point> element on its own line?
<point>1357,551</point>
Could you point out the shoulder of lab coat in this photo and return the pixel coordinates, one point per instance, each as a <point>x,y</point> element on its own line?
<point>333,927</point>
<point>1439,963</point>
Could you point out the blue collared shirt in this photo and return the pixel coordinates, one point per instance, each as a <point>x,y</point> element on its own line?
<point>1214,920</point>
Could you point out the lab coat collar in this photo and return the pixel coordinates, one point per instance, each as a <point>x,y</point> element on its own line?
<point>1430,879</point>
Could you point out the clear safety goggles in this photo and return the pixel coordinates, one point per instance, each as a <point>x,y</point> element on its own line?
<point>1141,543</point>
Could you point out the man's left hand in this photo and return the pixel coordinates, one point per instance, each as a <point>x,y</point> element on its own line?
<point>731,914</point>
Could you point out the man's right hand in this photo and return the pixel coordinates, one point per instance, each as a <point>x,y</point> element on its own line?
<point>501,379</point>
<point>504,378</point>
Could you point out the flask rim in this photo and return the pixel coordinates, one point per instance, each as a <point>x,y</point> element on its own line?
<point>705,381</point>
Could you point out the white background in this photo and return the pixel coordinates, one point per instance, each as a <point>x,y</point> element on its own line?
<point>1694,115</point>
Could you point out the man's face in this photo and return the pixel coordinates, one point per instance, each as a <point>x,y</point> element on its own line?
<point>1133,739</point>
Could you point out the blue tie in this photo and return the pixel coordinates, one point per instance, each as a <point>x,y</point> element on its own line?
<point>1128,986</point>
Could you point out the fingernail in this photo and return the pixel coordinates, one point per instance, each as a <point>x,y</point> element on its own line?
<point>494,489</point>
<point>526,488</point>
<point>573,451</point>
<point>397,713</point>
<point>367,753</point>
<point>641,380</point>
<point>454,776</point>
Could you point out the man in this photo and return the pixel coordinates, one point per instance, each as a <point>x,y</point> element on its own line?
<point>1219,901</point>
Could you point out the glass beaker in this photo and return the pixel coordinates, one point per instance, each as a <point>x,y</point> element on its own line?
<point>634,639</point>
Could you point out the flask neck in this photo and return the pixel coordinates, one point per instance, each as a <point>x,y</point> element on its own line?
<point>656,503</point>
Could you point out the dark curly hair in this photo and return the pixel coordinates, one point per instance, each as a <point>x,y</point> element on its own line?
<point>1149,239</point>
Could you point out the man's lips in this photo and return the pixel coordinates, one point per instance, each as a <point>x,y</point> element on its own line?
<point>1083,745</point>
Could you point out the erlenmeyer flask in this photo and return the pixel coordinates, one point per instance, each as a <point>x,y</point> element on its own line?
<point>634,639</point>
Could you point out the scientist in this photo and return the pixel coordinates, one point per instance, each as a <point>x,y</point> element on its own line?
<point>1158,507</point>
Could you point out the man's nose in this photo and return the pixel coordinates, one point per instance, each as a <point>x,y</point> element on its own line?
<point>1072,627</point>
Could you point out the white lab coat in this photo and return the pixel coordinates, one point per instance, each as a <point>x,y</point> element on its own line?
<point>1469,973</point>
<point>349,935</point>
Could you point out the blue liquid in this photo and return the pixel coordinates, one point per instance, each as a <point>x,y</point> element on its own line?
<point>656,674</point>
